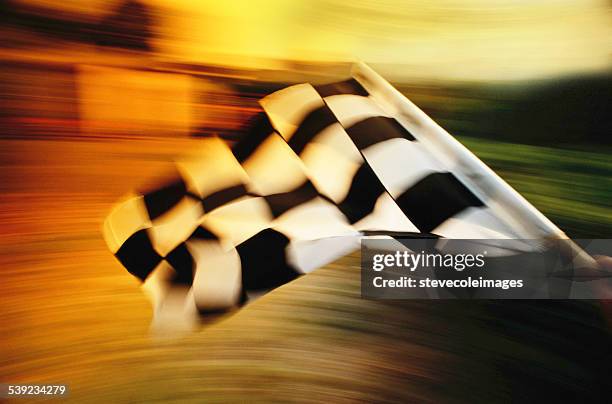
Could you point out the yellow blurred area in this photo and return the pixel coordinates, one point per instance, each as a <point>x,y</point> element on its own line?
<point>450,39</point>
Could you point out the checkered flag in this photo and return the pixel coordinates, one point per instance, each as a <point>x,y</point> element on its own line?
<point>321,167</point>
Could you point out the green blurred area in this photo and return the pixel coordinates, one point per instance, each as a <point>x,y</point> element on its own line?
<point>572,188</point>
<point>549,139</point>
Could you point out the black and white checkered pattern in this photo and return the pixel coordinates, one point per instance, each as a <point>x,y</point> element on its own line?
<point>321,167</point>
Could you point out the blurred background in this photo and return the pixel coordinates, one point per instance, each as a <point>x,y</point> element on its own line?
<point>98,97</point>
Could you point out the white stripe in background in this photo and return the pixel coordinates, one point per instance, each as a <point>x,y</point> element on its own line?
<point>385,243</point>
<point>173,305</point>
<point>126,218</point>
<point>174,226</point>
<point>350,109</point>
<point>400,163</point>
<point>157,284</point>
<point>217,280</point>
<point>329,169</point>
<point>386,216</point>
<point>239,220</point>
<point>288,107</point>
<point>313,220</point>
<point>308,255</point>
<point>274,168</point>
<point>211,168</point>
<point>336,138</point>
<point>475,223</point>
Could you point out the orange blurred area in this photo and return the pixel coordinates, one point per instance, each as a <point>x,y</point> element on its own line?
<point>68,99</point>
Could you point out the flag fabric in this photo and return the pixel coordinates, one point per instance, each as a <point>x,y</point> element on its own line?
<point>320,167</point>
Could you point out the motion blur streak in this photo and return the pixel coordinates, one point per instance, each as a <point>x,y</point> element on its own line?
<point>97,96</point>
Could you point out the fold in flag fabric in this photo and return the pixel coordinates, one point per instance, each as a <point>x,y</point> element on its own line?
<point>320,167</point>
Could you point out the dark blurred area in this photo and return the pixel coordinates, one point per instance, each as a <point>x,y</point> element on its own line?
<point>128,26</point>
<point>92,104</point>
<point>566,112</point>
